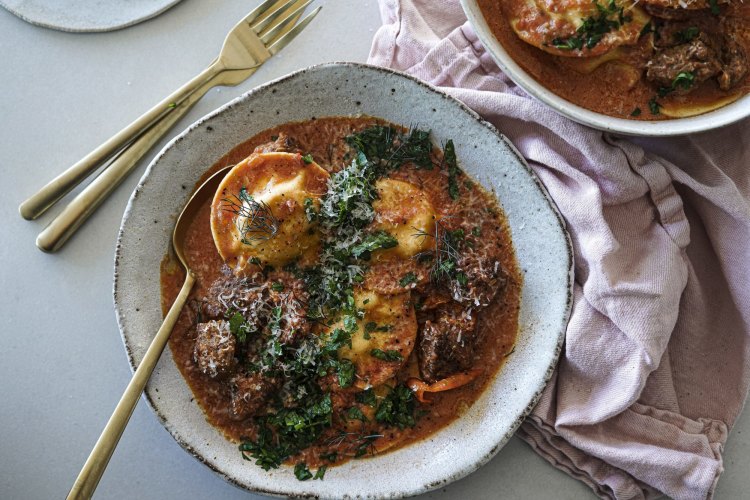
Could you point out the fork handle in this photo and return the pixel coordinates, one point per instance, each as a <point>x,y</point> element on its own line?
<point>86,202</point>
<point>92,470</point>
<point>58,187</point>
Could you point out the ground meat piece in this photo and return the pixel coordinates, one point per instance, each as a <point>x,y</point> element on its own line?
<point>289,293</point>
<point>694,57</point>
<point>697,27</point>
<point>251,394</point>
<point>734,67</point>
<point>484,277</point>
<point>214,348</point>
<point>231,293</point>
<point>257,298</point>
<point>282,144</point>
<point>446,345</point>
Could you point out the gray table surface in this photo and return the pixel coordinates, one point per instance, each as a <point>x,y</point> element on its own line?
<point>62,363</point>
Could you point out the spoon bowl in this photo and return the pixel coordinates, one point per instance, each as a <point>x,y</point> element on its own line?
<point>92,470</point>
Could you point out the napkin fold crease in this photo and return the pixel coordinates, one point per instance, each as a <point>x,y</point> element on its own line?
<point>656,364</point>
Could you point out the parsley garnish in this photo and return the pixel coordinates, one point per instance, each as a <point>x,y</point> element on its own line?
<point>687,35</point>
<point>388,148</point>
<point>684,80</point>
<point>301,472</point>
<point>239,327</point>
<point>295,429</point>
<point>407,279</point>
<point>379,240</point>
<point>714,7</point>
<point>366,397</point>
<point>355,413</point>
<point>397,409</point>
<point>593,29</point>
<point>654,106</point>
<point>320,472</point>
<point>636,112</point>
<point>345,370</point>
<point>310,213</point>
<point>307,158</point>
<point>389,355</point>
<point>449,159</point>
<point>277,286</point>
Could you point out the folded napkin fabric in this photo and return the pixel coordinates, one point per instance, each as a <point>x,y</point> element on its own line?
<point>656,363</point>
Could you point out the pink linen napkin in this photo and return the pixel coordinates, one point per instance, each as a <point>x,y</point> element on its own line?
<point>656,364</point>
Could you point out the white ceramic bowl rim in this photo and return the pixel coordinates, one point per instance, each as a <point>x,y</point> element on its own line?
<point>664,128</point>
<point>127,294</point>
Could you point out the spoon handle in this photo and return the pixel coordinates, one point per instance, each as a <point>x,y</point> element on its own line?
<point>92,470</point>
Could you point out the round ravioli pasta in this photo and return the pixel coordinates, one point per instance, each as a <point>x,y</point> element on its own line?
<point>258,213</point>
<point>577,28</point>
<point>384,338</point>
<point>405,212</point>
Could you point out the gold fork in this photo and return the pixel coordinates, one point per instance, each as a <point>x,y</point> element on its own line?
<point>260,35</point>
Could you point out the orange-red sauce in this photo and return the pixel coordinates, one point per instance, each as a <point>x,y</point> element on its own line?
<point>323,138</point>
<point>608,89</point>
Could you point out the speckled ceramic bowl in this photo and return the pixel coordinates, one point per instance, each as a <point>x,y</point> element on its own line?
<point>541,243</point>
<point>679,126</point>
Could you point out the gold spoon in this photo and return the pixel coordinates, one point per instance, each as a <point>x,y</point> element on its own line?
<point>92,470</point>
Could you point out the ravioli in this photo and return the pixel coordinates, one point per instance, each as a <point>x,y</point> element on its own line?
<point>404,211</point>
<point>258,214</point>
<point>384,338</point>
<point>577,28</point>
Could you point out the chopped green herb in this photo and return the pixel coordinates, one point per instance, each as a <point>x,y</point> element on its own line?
<point>379,240</point>
<point>355,413</point>
<point>301,472</point>
<point>462,279</point>
<point>277,286</point>
<point>397,409</point>
<point>648,28</point>
<point>388,148</point>
<point>307,158</point>
<point>408,279</point>
<point>389,355</point>
<point>345,372</point>
<point>636,112</point>
<point>366,397</point>
<point>449,160</point>
<point>654,106</point>
<point>172,105</point>
<point>296,429</point>
<point>593,28</point>
<point>714,7</point>
<point>688,34</point>
<point>331,457</point>
<point>476,231</point>
<point>321,472</point>
<point>310,213</point>
<point>239,328</point>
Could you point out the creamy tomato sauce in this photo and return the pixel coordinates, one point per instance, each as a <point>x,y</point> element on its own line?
<point>617,86</point>
<point>496,327</point>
